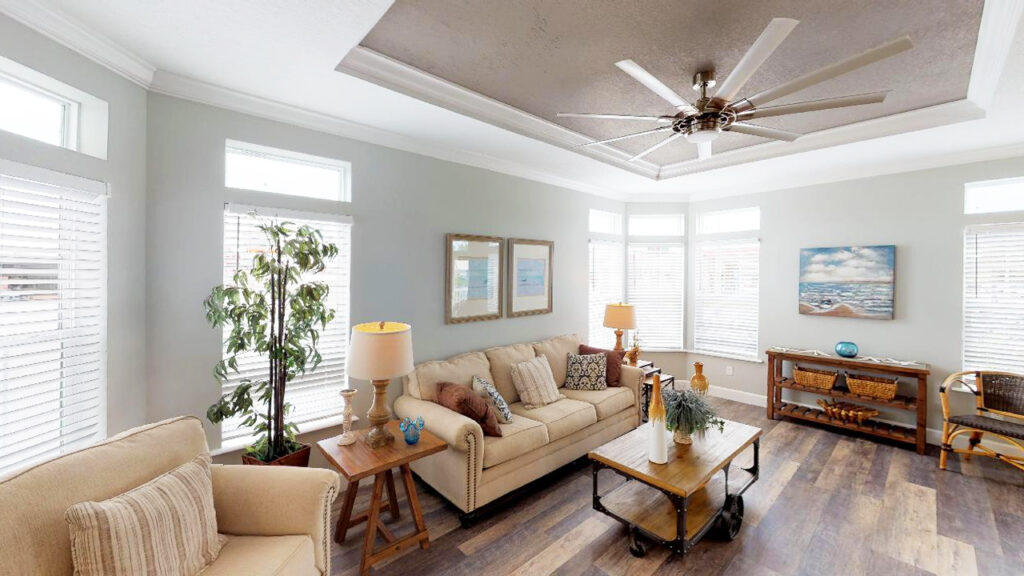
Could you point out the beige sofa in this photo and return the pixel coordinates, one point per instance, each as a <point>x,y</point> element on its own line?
<point>480,469</point>
<point>276,518</point>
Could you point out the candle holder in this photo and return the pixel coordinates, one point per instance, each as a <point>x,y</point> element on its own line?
<point>347,437</point>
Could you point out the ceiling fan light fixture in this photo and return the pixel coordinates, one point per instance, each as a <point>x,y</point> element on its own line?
<point>703,129</point>
<point>702,136</point>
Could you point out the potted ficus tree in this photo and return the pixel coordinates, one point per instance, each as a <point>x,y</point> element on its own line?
<point>272,309</point>
<point>688,413</point>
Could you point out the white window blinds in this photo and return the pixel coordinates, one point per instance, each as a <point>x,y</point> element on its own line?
<point>726,297</point>
<point>606,282</point>
<point>655,289</point>
<point>52,316</point>
<point>994,298</point>
<point>313,396</point>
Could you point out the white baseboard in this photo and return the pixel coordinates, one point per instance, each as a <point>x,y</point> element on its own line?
<point>932,435</point>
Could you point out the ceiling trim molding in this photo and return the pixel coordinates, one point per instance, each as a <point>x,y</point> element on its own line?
<point>218,96</point>
<point>999,22</point>
<point>384,71</point>
<point>64,30</point>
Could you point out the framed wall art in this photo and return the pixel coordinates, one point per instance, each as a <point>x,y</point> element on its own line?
<point>848,281</point>
<point>474,278</point>
<point>530,277</point>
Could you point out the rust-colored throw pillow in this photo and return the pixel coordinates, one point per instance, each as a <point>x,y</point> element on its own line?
<point>613,371</point>
<point>465,401</point>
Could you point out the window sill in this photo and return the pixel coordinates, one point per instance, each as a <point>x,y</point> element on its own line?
<point>239,444</point>
<point>752,360</point>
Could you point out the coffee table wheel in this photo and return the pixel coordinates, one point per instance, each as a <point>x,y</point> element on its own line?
<point>728,524</point>
<point>636,546</point>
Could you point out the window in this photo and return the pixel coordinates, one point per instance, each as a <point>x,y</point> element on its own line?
<point>723,221</point>
<point>313,396</point>
<point>656,224</point>
<point>994,298</point>
<point>265,169</point>
<point>52,314</point>
<point>655,289</point>
<point>726,297</point>
<point>37,114</point>
<point>994,196</point>
<point>606,282</point>
<point>602,222</point>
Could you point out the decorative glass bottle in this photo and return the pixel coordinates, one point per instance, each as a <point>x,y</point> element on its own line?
<point>699,382</point>
<point>657,450</point>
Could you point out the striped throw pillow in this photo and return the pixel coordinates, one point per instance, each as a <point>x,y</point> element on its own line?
<point>167,526</point>
<point>535,382</point>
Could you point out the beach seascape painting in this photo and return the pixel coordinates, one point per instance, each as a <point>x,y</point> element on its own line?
<point>850,281</point>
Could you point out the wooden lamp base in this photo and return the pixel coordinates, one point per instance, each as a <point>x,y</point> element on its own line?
<point>618,340</point>
<point>379,415</point>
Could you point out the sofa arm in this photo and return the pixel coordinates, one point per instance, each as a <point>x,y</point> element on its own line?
<point>633,378</point>
<point>277,501</point>
<point>446,424</point>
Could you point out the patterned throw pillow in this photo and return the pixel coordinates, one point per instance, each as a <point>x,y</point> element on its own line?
<point>586,372</point>
<point>535,383</point>
<point>493,398</point>
<point>167,526</point>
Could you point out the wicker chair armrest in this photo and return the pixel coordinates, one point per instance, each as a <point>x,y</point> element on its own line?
<point>949,381</point>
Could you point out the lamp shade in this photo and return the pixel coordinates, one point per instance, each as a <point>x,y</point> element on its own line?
<point>620,316</point>
<point>380,351</point>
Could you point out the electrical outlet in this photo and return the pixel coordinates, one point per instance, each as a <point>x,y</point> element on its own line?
<point>728,370</point>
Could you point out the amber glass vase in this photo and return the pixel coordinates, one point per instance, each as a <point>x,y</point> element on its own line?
<point>699,382</point>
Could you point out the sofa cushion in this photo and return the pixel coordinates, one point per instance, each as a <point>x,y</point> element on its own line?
<point>422,383</point>
<point>534,382</point>
<point>557,350</point>
<point>613,367</point>
<point>607,402</point>
<point>502,359</point>
<point>166,526</point>
<point>465,401</point>
<point>561,418</point>
<point>265,556</point>
<point>518,437</point>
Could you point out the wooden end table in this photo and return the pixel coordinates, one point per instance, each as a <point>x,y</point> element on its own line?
<point>677,503</point>
<point>357,461</point>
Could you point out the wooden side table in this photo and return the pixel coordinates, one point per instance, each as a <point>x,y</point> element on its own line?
<point>357,461</point>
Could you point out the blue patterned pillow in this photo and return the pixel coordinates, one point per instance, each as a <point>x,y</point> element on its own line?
<point>493,397</point>
<point>586,372</point>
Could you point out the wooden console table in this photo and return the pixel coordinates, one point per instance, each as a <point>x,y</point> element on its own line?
<point>918,403</point>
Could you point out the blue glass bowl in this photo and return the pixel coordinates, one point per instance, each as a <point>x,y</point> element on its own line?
<point>847,349</point>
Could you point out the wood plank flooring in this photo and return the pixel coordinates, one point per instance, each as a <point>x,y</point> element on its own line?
<point>826,503</point>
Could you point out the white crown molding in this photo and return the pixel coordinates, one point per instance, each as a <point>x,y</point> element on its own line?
<point>62,29</point>
<point>999,22</point>
<point>374,67</point>
<point>213,95</point>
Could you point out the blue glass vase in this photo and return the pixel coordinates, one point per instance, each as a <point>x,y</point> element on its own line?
<point>411,429</point>
<point>847,349</point>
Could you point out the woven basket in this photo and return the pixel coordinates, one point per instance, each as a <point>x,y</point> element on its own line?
<point>873,386</point>
<point>814,378</point>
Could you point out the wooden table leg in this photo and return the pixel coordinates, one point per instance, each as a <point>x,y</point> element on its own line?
<point>389,479</point>
<point>414,503</point>
<point>371,525</point>
<point>346,512</point>
<point>770,391</point>
<point>922,412</point>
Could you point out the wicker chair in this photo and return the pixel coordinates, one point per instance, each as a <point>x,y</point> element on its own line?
<point>995,393</point>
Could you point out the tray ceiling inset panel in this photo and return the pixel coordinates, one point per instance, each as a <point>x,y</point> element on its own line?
<point>544,57</point>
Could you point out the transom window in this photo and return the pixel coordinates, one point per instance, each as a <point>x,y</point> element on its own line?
<point>994,196</point>
<point>36,113</point>
<point>725,221</point>
<point>265,169</point>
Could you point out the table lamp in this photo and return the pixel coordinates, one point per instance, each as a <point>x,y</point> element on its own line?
<point>378,352</point>
<point>621,317</point>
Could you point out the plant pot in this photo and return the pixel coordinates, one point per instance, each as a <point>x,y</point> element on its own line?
<point>681,437</point>
<point>299,458</point>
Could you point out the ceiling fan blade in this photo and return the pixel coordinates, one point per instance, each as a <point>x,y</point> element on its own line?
<point>774,34</point>
<point>813,105</point>
<point>654,85</point>
<point>615,116</point>
<point>763,131</point>
<point>850,64</point>
<point>656,146</point>
<point>703,150</point>
<point>633,135</point>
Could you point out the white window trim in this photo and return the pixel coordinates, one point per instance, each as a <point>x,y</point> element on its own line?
<point>345,168</point>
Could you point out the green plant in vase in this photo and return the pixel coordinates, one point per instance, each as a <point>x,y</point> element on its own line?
<point>272,309</point>
<point>687,413</point>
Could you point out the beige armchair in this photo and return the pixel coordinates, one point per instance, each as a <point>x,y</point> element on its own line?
<point>277,519</point>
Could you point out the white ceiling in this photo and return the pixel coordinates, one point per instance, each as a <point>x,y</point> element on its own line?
<point>284,53</point>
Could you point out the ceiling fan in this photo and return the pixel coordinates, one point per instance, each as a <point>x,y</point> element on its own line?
<point>702,122</point>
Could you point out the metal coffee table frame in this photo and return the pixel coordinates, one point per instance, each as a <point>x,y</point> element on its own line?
<point>681,545</point>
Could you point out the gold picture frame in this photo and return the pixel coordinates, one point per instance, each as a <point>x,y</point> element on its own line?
<point>474,285</point>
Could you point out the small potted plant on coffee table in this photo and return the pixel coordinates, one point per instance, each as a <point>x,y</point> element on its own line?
<point>687,413</point>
